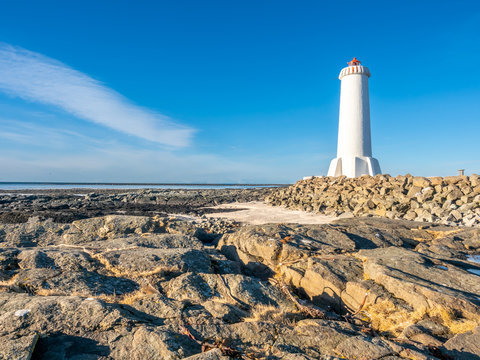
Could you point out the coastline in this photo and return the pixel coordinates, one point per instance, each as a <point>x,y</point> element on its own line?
<point>30,187</point>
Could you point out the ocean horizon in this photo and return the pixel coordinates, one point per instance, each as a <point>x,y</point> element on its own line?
<point>26,185</point>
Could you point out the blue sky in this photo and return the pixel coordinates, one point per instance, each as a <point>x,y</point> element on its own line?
<point>231,91</point>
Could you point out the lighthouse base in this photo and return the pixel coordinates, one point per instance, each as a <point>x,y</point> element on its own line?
<point>354,166</point>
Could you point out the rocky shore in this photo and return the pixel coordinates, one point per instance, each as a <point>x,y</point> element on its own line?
<point>448,200</point>
<point>68,205</point>
<point>162,286</point>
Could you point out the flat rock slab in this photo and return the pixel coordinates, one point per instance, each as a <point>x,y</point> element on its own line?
<point>111,226</point>
<point>80,283</point>
<point>272,244</point>
<point>465,346</point>
<point>422,281</point>
<point>18,348</point>
<point>215,354</point>
<point>23,315</point>
<point>145,260</point>
<point>156,241</point>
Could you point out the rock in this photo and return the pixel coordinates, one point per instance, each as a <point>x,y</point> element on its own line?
<point>325,281</point>
<point>57,313</point>
<point>334,339</point>
<point>414,191</point>
<point>454,194</point>
<point>215,354</point>
<point>464,346</point>
<point>274,244</point>
<point>66,205</point>
<point>411,198</point>
<point>148,288</point>
<point>437,180</point>
<point>112,226</point>
<point>189,286</point>
<point>410,215</point>
<point>421,182</point>
<point>30,234</point>
<point>361,347</point>
<point>150,343</point>
<point>135,262</point>
<point>429,288</point>
<point>17,347</point>
<point>413,282</point>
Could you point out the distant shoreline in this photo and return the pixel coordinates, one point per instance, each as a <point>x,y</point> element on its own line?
<point>130,183</point>
<point>25,186</point>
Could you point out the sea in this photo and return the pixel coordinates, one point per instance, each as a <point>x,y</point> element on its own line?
<point>66,185</point>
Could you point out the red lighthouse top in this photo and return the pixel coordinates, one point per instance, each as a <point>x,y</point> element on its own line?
<point>354,62</point>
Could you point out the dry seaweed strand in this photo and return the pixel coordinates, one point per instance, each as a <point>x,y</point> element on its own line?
<point>218,344</point>
<point>361,305</point>
<point>316,313</point>
<point>366,328</point>
<point>306,309</point>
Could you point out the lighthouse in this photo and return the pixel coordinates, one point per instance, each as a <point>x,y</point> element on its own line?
<point>354,149</point>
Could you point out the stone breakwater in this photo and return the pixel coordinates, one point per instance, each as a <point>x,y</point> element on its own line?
<point>447,200</point>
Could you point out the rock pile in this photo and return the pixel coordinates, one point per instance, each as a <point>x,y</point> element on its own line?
<point>446,200</point>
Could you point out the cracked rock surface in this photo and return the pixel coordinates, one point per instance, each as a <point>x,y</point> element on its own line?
<point>166,287</point>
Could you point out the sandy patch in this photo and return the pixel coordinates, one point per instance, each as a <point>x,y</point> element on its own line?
<point>260,213</point>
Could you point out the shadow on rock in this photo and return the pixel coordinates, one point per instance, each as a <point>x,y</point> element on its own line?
<point>61,346</point>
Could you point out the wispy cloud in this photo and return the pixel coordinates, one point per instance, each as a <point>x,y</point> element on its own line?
<point>37,78</point>
<point>121,164</point>
<point>32,151</point>
<point>28,133</point>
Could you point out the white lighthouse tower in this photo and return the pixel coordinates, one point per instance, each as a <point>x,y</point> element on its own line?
<point>354,151</point>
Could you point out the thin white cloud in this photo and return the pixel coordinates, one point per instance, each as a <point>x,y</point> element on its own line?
<point>121,164</point>
<point>37,78</point>
<point>28,133</point>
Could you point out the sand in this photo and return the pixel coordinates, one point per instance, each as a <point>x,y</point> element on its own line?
<point>258,213</point>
